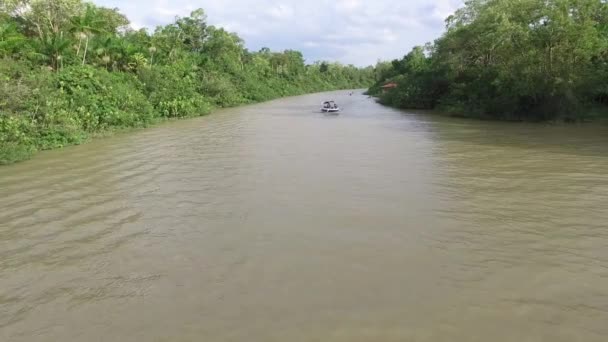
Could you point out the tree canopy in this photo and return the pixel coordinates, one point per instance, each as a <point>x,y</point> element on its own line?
<point>69,68</point>
<point>509,59</point>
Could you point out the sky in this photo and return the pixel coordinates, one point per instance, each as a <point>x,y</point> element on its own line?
<point>358,32</point>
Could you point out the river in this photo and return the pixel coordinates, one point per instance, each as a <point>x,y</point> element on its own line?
<point>274,222</point>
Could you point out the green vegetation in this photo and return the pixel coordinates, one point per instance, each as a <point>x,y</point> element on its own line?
<point>70,69</point>
<point>511,60</point>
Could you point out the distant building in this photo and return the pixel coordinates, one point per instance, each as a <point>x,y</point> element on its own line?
<point>389,86</point>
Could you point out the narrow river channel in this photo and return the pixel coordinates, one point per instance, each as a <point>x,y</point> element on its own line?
<point>274,222</point>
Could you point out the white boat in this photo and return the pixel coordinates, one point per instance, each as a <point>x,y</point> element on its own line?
<point>330,107</point>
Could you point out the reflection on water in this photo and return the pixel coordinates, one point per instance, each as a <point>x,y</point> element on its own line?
<point>276,223</point>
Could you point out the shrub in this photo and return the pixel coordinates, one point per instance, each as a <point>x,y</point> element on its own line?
<point>172,91</point>
<point>99,100</point>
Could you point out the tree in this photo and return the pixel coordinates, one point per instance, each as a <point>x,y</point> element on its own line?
<point>110,20</point>
<point>193,29</point>
<point>84,26</point>
<point>324,67</point>
<point>223,50</point>
<point>46,16</point>
<point>53,47</point>
<point>70,68</point>
<point>510,59</point>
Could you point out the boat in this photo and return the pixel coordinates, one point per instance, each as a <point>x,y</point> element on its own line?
<point>330,107</point>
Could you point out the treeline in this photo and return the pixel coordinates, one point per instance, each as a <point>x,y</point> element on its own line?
<point>70,69</point>
<point>509,59</point>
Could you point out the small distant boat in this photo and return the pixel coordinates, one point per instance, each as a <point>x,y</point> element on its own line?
<point>330,107</point>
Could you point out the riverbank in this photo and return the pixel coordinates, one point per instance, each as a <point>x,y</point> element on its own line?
<point>591,114</point>
<point>79,104</point>
<point>519,68</point>
<point>87,72</point>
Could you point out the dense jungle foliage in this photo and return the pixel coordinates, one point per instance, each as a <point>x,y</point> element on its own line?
<point>70,69</point>
<point>530,60</point>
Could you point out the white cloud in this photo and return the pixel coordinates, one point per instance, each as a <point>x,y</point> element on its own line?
<point>348,5</point>
<point>350,31</point>
<point>311,44</point>
<point>280,12</point>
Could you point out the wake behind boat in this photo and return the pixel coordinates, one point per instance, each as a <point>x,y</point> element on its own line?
<point>330,107</point>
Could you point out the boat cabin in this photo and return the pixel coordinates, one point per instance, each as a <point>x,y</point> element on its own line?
<point>329,105</point>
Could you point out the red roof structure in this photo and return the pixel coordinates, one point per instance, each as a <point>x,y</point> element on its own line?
<point>388,86</point>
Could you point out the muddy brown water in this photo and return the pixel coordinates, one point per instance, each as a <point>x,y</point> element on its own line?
<point>274,222</point>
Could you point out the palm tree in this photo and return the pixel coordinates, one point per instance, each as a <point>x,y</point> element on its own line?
<point>52,46</point>
<point>84,26</point>
<point>104,50</point>
<point>116,50</point>
<point>152,50</point>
